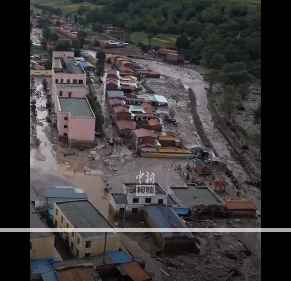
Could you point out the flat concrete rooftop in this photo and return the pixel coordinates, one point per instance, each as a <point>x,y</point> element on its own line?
<point>78,107</point>
<point>82,214</point>
<point>71,66</point>
<point>196,196</point>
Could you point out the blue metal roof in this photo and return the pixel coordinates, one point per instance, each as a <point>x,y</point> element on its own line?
<point>40,266</point>
<point>51,212</point>
<point>118,257</point>
<point>84,64</point>
<point>165,217</point>
<point>181,211</point>
<point>199,163</point>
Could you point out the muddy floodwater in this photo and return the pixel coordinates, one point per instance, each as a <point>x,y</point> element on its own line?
<point>49,167</point>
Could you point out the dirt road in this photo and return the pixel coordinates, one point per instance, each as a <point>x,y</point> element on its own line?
<point>194,80</point>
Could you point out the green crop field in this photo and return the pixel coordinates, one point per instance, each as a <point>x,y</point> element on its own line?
<point>165,40</point>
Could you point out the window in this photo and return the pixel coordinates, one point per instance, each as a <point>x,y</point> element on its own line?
<point>148,200</point>
<point>78,241</point>
<point>61,93</point>
<point>77,253</point>
<point>135,200</point>
<point>62,219</point>
<point>56,223</point>
<point>68,81</point>
<point>160,201</point>
<point>73,234</point>
<point>80,81</point>
<point>57,211</point>
<point>62,81</point>
<point>67,225</point>
<point>70,94</point>
<point>57,81</point>
<point>30,245</point>
<point>74,81</point>
<point>87,255</point>
<point>66,118</point>
<point>65,134</point>
<point>72,245</point>
<point>134,210</point>
<point>65,126</point>
<point>121,210</point>
<point>88,244</point>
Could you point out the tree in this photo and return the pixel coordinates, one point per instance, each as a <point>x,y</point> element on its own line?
<point>100,69</point>
<point>63,45</point>
<point>235,74</point>
<point>44,43</point>
<point>150,38</point>
<point>75,19</point>
<point>46,33</point>
<point>82,10</point>
<point>31,12</point>
<point>255,140</point>
<point>211,77</point>
<point>228,101</point>
<point>243,91</point>
<point>75,44</point>
<point>97,27</point>
<point>31,26</point>
<point>48,64</point>
<point>54,37</point>
<point>58,23</point>
<point>44,84</point>
<point>217,61</point>
<point>81,36</point>
<point>100,56</point>
<point>257,114</point>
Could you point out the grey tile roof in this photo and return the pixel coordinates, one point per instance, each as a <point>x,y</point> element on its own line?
<point>82,214</point>
<point>165,217</point>
<point>64,192</point>
<point>78,107</point>
<point>119,198</point>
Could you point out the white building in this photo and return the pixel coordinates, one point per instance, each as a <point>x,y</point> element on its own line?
<point>131,203</point>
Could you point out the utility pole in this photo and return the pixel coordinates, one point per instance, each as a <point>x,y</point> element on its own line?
<point>124,212</point>
<point>105,241</point>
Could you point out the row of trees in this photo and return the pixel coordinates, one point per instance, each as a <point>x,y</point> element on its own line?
<point>49,9</point>
<point>209,28</point>
<point>232,83</point>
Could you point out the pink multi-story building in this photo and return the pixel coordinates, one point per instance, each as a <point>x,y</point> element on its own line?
<point>74,116</point>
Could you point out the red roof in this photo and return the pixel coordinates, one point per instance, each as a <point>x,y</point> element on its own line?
<point>112,71</point>
<point>115,101</point>
<point>141,133</point>
<point>124,124</point>
<point>119,109</point>
<point>111,81</point>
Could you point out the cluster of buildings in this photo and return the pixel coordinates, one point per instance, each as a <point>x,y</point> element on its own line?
<point>134,115</point>
<point>72,112</point>
<point>71,32</point>
<point>171,55</point>
<point>125,66</point>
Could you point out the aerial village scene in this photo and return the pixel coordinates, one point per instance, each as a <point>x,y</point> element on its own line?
<point>123,138</point>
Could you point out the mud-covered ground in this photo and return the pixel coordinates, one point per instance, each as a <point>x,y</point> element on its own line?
<point>219,252</point>
<point>190,78</point>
